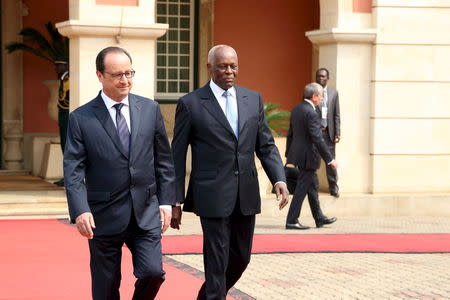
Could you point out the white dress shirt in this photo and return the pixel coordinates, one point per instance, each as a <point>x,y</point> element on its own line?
<point>126,115</point>
<point>112,110</point>
<point>218,93</point>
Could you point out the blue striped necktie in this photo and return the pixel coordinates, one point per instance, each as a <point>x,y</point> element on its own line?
<point>231,113</point>
<point>122,128</point>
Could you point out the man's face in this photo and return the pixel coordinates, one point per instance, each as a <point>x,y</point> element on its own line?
<point>317,98</point>
<point>224,68</point>
<point>322,78</point>
<point>115,86</point>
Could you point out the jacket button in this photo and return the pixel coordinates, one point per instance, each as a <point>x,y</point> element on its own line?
<point>236,173</point>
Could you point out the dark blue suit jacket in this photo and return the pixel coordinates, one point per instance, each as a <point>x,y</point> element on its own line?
<point>305,144</point>
<point>100,177</point>
<point>223,167</point>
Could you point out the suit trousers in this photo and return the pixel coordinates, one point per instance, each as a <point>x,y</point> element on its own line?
<point>307,184</point>
<point>332,176</point>
<point>227,246</point>
<point>106,257</point>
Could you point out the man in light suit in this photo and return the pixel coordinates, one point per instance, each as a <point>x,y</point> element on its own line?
<point>119,177</point>
<point>330,124</point>
<point>225,126</point>
<point>304,147</point>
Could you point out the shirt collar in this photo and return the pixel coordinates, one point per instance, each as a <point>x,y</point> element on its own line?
<point>310,102</point>
<point>110,102</point>
<point>218,91</point>
<point>64,75</point>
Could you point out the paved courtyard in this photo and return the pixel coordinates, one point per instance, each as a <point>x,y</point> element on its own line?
<point>340,275</point>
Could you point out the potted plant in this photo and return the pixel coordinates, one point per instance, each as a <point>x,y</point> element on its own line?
<point>277,119</point>
<point>54,49</point>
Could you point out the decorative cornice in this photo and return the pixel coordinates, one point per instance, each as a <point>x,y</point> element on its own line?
<point>74,28</point>
<point>338,35</point>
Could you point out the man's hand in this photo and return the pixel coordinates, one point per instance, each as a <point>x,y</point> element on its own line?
<point>176,217</point>
<point>282,194</point>
<point>334,164</point>
<point>166,215</point>
<point>84,224</point>
<point>337,139</point>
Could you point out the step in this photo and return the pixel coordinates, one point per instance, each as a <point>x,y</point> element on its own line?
<point>376,205</point>
<point>33,204</point>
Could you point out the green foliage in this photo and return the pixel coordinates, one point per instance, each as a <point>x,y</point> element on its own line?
<point>53,49</point>
<point>277,119</point>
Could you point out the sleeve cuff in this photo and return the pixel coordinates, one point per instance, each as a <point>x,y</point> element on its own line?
<point>280,182</point>
<point>166,207</point>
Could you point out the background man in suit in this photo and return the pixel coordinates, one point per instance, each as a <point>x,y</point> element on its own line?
<point>330,124</point>
<point>304,147</point>
<point>225,126</point>
<point>119,177</point>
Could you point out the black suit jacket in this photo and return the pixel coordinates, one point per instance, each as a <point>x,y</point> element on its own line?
<point>223,167</point>
<point>333,114</point>
<point>100,177</point>
<point>305,144</point>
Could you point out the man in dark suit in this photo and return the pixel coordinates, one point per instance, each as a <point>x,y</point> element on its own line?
<point>225,126</point>
<point>330,124</point>
<point>119,177</point>
<point>304,147</point>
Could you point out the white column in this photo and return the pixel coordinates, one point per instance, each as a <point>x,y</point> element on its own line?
<point>93,27</point>
<point>345,43</point>
<point>12,11</point>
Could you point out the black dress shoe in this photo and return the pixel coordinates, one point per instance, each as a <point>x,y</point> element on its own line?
<point>335,194</point>
<point>59,182</point>
<point>325,221</point>
<point>296,226</point>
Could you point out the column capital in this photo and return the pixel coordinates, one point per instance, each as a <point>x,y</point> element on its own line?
<point>338,35</point>
<point>74,28</point>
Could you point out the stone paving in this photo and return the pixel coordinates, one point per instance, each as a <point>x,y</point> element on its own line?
<point>340,275</point>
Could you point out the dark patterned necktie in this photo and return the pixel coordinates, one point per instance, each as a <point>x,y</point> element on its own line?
<point>122,128</point>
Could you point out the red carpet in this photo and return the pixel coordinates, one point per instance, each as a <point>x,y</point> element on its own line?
<point>276,243</point>
<point>46,259</point>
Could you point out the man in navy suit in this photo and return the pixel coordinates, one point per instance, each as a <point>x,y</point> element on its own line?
<point>119,177</point>
<point>304,148</point>
<point>225,126</point>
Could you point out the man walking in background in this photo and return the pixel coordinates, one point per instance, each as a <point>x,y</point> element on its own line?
<point>330,124</point>
<point>225,126</point>
<point>304,147</point>
<point>119,177</point>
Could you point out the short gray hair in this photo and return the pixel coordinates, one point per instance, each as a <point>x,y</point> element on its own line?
<point>212,52</point>
<point>312,89</point>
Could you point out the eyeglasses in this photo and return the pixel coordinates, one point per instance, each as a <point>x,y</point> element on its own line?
<point>118,76</point>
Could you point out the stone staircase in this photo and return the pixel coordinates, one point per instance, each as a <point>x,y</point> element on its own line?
<point>33,204</point>
<point>23,196</point>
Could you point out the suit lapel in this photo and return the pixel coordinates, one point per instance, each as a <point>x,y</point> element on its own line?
<point>102,114</point>
<point>242,108</point>
<point>135,120</point>
<point>211,104</point>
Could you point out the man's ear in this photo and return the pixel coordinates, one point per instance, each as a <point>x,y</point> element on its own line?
<point>99,76</point>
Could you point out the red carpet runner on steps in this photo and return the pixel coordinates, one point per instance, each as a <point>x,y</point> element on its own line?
<point>48,260</point>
